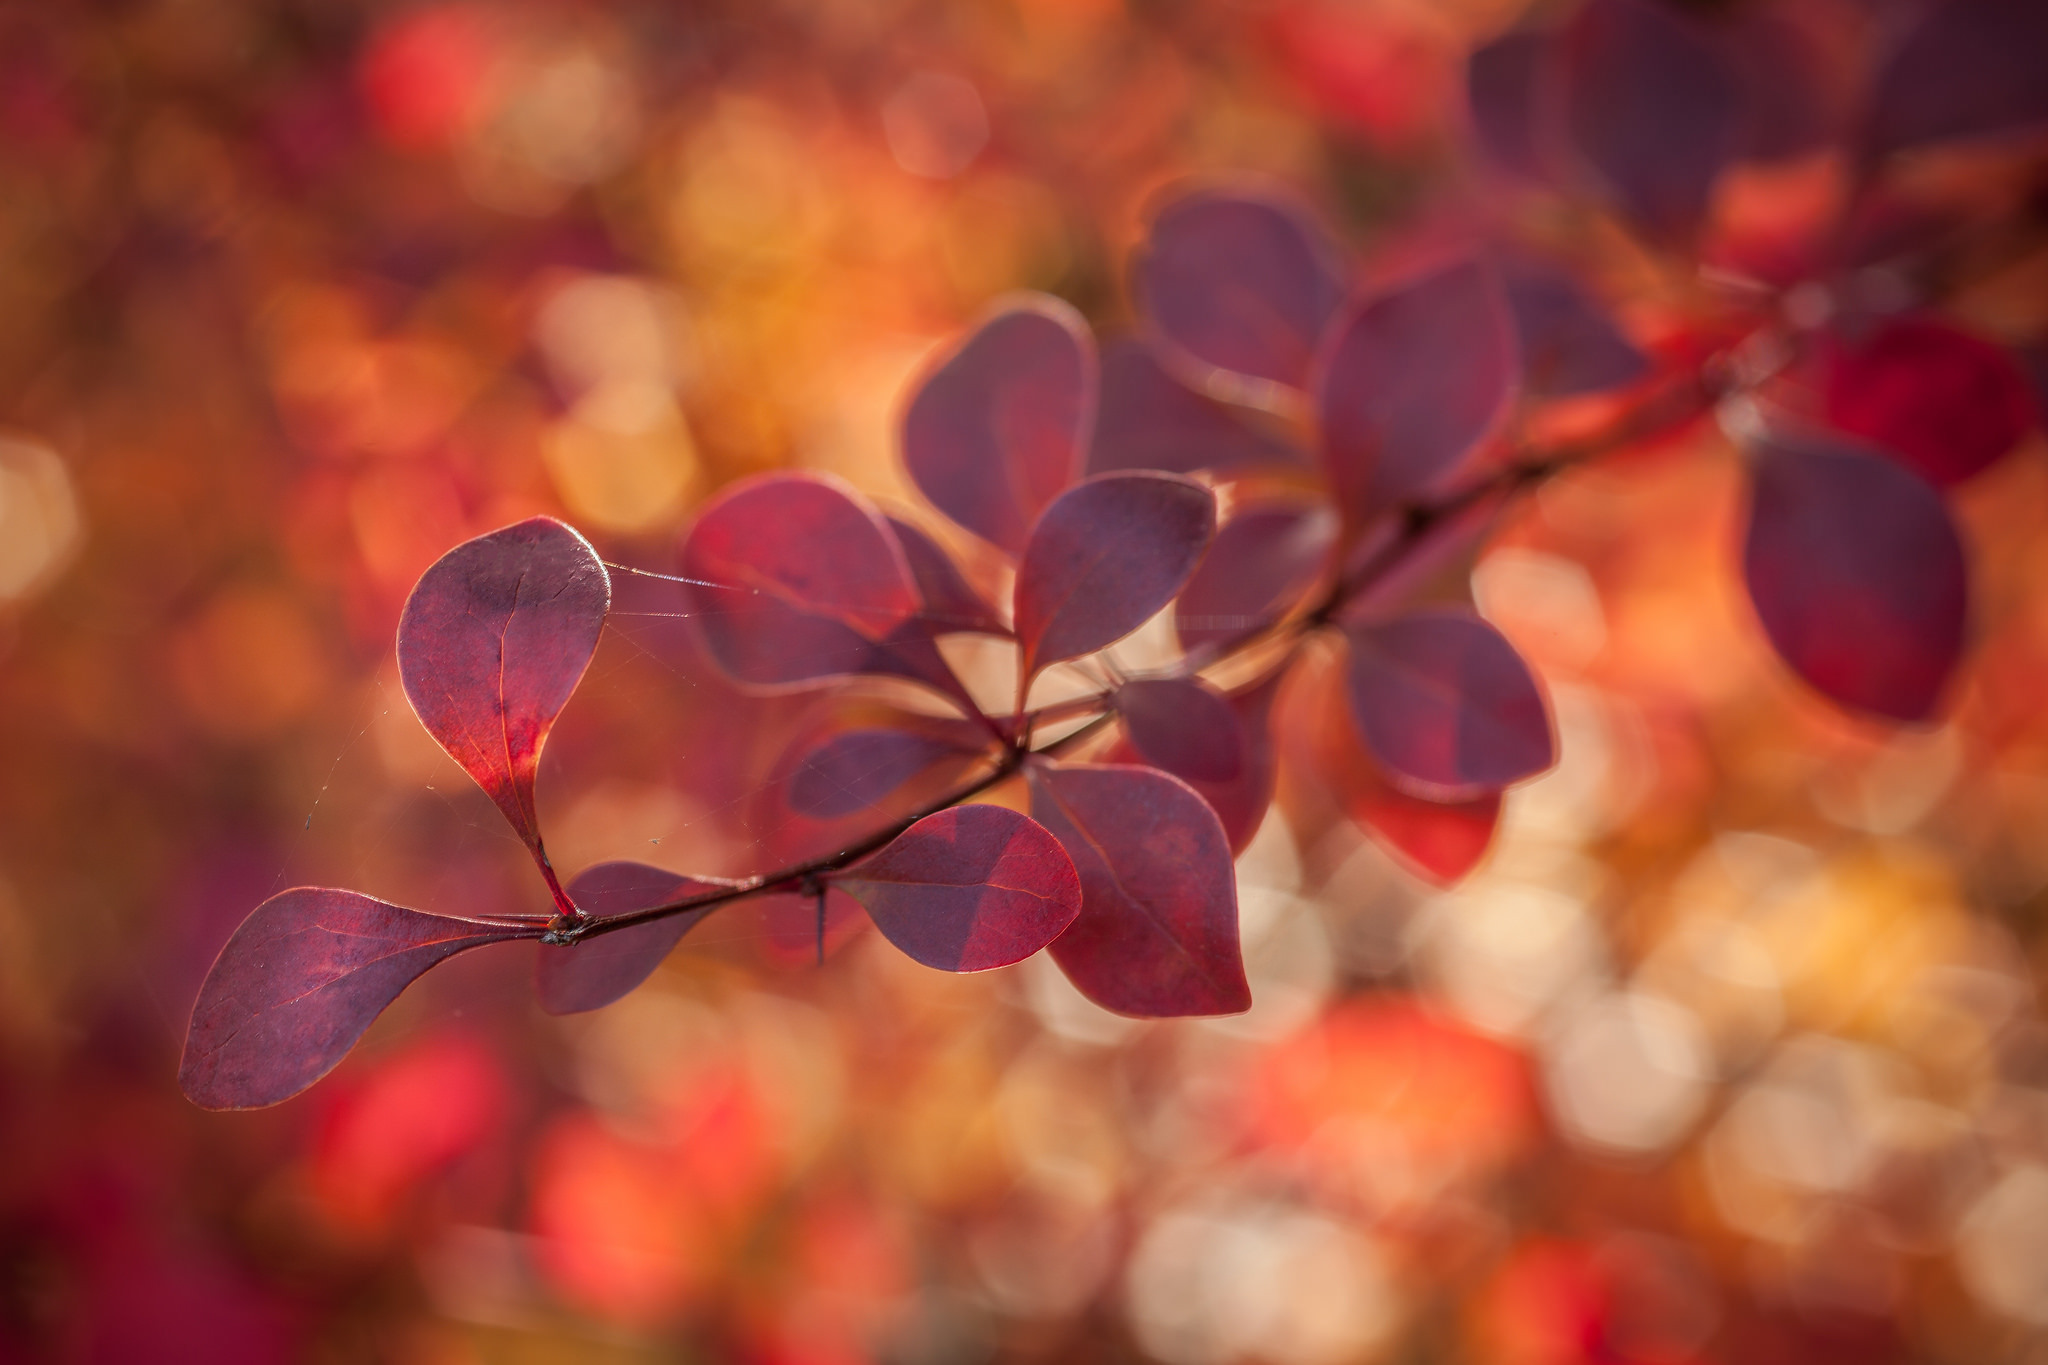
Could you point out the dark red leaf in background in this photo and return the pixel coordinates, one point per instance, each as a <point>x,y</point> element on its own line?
<point>1263,560</point>
<point>997,430</point>
<point>806,575</point>
<point>950,602</point>
<point>1150,420</point>
<point>1857,573</point>
<point>1652,104</point>
<point>1946,402</point>
<point>1506,89</point>
<point>298,983</point>
<point>1105,556</point>
<point>1413,385</point>
<point>1569,343</point>
<point>1446,704</point>
<point>854,769</point>
<point>1966,68</point>
<point>1157,933</point>
<point>1184,726</point>
<point>593,973</point>
<point>1789,68</point>
<point>494,639</point>
<point>1238,283</point>
<point>968,889</point>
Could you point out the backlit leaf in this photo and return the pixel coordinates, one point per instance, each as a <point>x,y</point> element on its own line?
<point>997,429</point>
<point>1105,556</point>
<point>1966,68</point>
<point>1945,402</point>
<point>969,888</point>
<point>1184,726</point>
<point>950,602</point>
<point>300,980</point>
<point>1157,933</point>
<point>853,769</point>
<point>1857,573</point>
<point>1150,420</point>
<point>1239,801</point>
<point>1569,343</point>
<point>1263,560</point>
<point>596,971</point>
<point>1446,704</point>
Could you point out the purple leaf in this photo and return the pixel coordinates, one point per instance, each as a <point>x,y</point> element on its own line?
<point>798,576</point>
<point>1569,343</point>
<point>855,769</point>
<point>912,652</point>
<point>300,980</point>
<point>1238,283</point>
<point>1150,420</point>
<point>1240,801</point>
<point>1157,932</point>
<point>1446,704</point>
<point>1790,101</point>
<point>1105,556</point>
<point>1265,557</point>
<point>596,971</point>
<point>950,603</point>
<point>968,889</point>
<point>1413,385</point>
<point>996,431</point>
<point>1967,68</point>
<point>1507,87</point>
<point>1652,104</point>
<point>1184,726</point>
<point>493,640</point>
<point>1857,573</point>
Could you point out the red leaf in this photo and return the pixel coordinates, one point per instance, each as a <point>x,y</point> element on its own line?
<point>1857,573</point>
<point>1967,68</point>
<point>1412,385</point>
<point>1947,403</point>
<point>968,889</point>
<point>950,603</point>
<point>996,431</point>
<point>854,769</point>
<point>1150,420</point>
<point>807,576</point>
<point>1240,802</point>
<point>1105,556</point>
<point>1654,107</point>
<point>1238,283</point>
<point>596,971</point>
<point>1184,726</point>
<point>300,980</point>
<point>1569,344</point>
<point>1265,557</point>
<point>1446,704</point>
<point>1506,84</point>
<point>494,638</point>
<point>1439,840</point>
<point>1157,932</point>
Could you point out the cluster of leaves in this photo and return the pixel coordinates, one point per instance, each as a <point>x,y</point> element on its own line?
<point>1277,454</point>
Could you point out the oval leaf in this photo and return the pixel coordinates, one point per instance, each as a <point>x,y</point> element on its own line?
<point>1150,420</point>
<point>1966,69</point>
<point>1446,704</point>
<point>1184,726</point>
<point>1946,403</point>
<point>854,769</point>
<point>798,577</point>
<point>1568,342</point>
<point>968,889</point>
<point>1506,93</point>
<point>1105,556</point>
<point>1240,801</point>
<point>591,974</point>
<point>1653,106</point>
<point>1157,932</point>
<point>493,640</point>
<point>300,980</point>
<point>1238,283</point>
<point>995,432</point>
<point>1857,574</point>
<point>1264,559</point>
<point>950,603</point>
<point>1412,386</point>
<point>1439,841</point>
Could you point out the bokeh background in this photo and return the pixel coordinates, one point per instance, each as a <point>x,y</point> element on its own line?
<point>1731,1051</point>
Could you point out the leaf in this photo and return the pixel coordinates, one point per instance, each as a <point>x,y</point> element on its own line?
<point>1105,556</point>
<point>1184,726</point>
<point>1967,68</point>
<point>1789,68</point>
<point>1857,573</point>
<point>1413,384</point>
<point>1947,403</point>
<point>594,972</point>
<point>854,769</point>
<point>967,889</point>
<point>1653,105</point>
<point>797,577</point>
<point>1239,801</point>
<point>996,430</point>
<point>1150,420</point>
<point>1506,85</point>
<point>1157,932</point>
<point>1263,560</point>
<point>1238,283</point>
<point>950,603</point>
<point>1569,344</point>
<point>1446,704</point>
<point>300,980</point>
<point>494,638</point>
